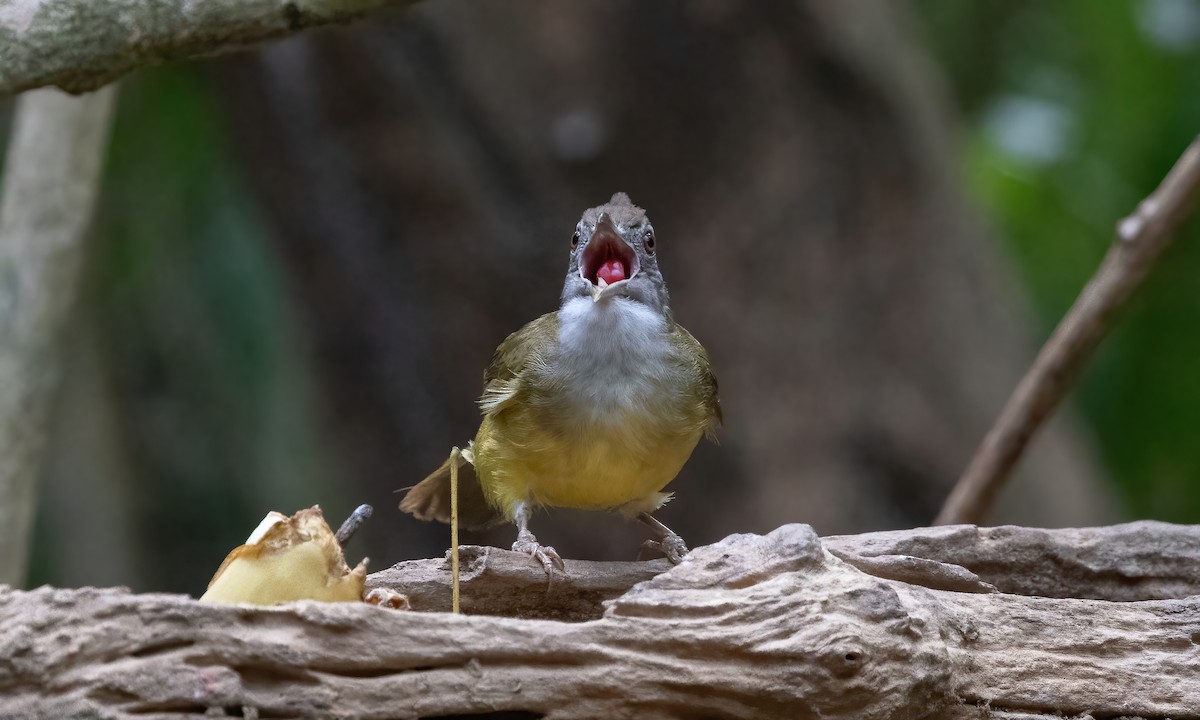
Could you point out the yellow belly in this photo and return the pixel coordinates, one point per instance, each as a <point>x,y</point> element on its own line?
<point>600,465</point>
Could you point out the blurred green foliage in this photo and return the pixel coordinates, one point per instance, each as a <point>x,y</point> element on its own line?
<point>194,300</point>
<point>1074,111</point>
<point>199,340</point>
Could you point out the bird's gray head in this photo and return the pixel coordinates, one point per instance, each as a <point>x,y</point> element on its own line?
<point>613,255</point>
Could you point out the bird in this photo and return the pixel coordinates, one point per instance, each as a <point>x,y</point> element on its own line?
<point>595,406</point>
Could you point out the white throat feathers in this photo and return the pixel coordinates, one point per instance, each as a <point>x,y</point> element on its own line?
<point>618,352</point>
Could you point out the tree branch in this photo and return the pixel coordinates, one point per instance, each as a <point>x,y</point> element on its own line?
<point>1144,560</point>
<point>50,184</point>
<point>80,45</point>
<point>1141,238</point>
<point>502,582</point>
<point>751,627</point>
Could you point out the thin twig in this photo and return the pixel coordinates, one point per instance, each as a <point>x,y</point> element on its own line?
<point>454,528</point>
<point>353,523</point>
<point>1141,238</point>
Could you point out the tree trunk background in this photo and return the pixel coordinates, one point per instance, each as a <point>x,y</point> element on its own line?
<point>51,177</point>
<point>420,173</point>
<point>423,174</point>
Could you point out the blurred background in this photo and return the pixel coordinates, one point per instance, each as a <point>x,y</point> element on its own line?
<point>870,213</point>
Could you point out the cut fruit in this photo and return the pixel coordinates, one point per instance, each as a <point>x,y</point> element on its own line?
<point>287,559</point>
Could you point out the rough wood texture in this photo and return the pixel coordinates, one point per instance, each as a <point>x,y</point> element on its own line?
<point>1144,560</point>
<point>80,45</point>
<point>502,582</point>
<point>750,627</point>
<point>51,179</point>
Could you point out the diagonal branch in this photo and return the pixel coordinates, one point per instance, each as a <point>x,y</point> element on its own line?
<point>80,45</point>
<point>1141,238</point>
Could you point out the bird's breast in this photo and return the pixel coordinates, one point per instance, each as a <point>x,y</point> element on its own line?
<point>614,364</point>
<point>607,418</point>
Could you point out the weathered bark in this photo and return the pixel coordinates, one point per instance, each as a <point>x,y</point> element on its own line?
<point>50,181</point>
<point>754,626</point>
<point>1145,560</point>
<point>502,582</point>
<point>80,45</point>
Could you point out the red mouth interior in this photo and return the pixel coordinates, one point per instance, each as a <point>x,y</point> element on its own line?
<point>607,257</point>
<point>611,272</point>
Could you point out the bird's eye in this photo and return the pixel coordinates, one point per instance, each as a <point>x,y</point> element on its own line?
<point>575,239</point>
<point>650,242</point>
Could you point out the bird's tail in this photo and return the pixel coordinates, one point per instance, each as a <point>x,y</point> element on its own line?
<point>430,498</point>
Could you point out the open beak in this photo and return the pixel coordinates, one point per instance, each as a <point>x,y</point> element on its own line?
<point>607,261</point>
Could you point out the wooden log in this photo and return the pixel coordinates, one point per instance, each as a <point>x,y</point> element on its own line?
<point>81,45</point>
<point>1143,560</point>
<point>750,627</point>
<point>505,583</point>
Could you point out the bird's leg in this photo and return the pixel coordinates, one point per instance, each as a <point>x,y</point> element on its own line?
<point>528,544</point>
<point>668,542</point>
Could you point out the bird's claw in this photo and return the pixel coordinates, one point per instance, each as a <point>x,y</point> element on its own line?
<point>544,554</point>
<point>670,545</point>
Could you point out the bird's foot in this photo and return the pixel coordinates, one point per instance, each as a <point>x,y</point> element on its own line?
<point>670,545</point>
<point>546,555</point>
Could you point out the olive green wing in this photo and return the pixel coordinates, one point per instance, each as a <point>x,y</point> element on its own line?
<point>430,498</point>
<point>706,383</point>
<point>526,346</point>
